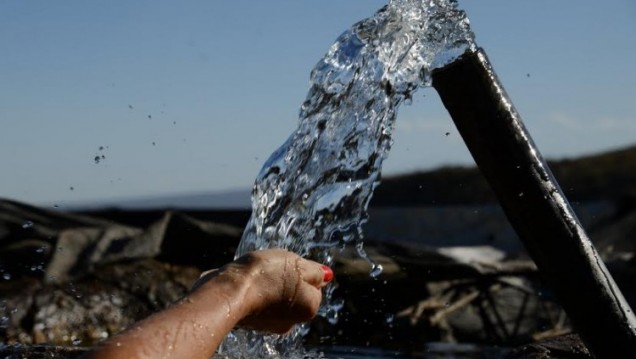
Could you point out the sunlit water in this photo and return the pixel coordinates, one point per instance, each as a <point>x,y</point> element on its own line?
<point>313,192</point>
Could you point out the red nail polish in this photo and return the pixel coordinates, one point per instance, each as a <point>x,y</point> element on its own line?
<point>328,273</point>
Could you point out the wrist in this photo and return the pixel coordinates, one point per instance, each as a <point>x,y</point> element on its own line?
<point>227,291</point>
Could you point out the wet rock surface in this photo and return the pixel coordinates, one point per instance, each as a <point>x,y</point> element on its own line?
<point>40,352</point>
<point>74,280</point>
<point>561,347</point>
<point>93,308</point>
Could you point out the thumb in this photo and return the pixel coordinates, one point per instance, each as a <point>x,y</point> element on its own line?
<point>317,274</point>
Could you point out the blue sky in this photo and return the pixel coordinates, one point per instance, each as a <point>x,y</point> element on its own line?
<point>193,96</point>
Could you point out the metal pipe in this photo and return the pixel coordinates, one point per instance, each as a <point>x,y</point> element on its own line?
<point>535,205</point>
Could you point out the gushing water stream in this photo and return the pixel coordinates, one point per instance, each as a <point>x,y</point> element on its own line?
<point>313,192</point>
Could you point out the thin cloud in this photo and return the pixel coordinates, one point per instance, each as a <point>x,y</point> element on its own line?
<point>423,125</point>
<point>611,123</point>
<point>565,120</point>
<point>597,124</point>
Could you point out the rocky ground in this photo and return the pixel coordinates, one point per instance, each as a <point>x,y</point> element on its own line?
<point>69,281</point>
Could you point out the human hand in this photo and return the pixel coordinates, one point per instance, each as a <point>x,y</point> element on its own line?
<point>268,290</point>
<point>281,288</point>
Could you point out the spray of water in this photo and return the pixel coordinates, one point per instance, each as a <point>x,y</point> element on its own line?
<point>313,192</point>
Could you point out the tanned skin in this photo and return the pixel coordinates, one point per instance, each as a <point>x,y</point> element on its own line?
<point>268,290</point>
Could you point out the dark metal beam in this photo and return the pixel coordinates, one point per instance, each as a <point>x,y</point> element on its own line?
<point>535,205</point>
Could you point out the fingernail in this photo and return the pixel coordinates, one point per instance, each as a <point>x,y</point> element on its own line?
<point>328,274</point>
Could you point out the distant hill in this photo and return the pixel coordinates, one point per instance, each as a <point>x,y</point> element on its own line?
<point>609,175</point>
<point>231,199</point>
<point>606,176</point>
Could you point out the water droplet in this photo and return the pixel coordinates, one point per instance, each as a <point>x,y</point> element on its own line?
<point>27,224</point>
<point>332,316</point>
<point>376,270</point>
<point>389,318</point>
<point>6,276</point>
<point>76,341</point>
<point>40,250</point>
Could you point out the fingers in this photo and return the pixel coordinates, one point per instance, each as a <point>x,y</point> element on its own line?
<point>284,289</point>
<point>311,272</point>
<point>328,273</point>
<point>315,273</point>
<point>306,303</point>
<point>281,317</point>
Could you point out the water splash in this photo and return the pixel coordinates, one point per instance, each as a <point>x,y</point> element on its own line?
<point>313,192</point>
